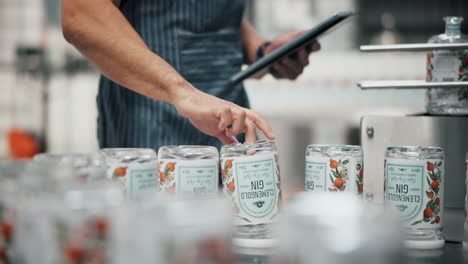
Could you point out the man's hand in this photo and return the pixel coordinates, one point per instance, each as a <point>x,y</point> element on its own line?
<point>101,32</point>
<point>220,118</point>
<point>292,66</point>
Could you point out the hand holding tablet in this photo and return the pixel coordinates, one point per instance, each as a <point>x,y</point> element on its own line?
<point>263,65</point>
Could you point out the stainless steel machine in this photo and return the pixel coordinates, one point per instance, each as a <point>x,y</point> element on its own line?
<point>448,132</point>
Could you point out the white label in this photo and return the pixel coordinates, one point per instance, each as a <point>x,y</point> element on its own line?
<point>253,184</point>
<point>443,66</point>
<point>343,174</point>
<point>191,177</point>
<point>448,66</point>
<point>135,178</point>
<point>414,188</point>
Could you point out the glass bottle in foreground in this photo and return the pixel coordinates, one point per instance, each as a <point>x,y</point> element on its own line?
<point>86,167</point>
<point>9,201</point>
<point>251,179</point>
<point>71,225</point>
<point>337,228</point>
<point>448,66</point>
<point>414,187</point>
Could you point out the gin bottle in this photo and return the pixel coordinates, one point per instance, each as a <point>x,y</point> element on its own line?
<point>448,66</point>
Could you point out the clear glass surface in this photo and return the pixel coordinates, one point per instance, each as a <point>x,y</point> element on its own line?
<point>449,101</point>
<point>187,152</point>
<point>425,157</point>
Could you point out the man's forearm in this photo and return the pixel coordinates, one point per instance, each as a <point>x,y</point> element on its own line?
<point>251,41</point>
<point>99,30</point>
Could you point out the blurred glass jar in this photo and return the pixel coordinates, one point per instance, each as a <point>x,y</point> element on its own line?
<point>86,167</point>
<point>135,169</point>
<point>448,66</point>
<point>188,170</point>
<point>414,187</point>
<point>252,181</point>
<point>9,201</point>
<point>44,186</point>
<point>139,233</point>
<point>196,234</point>
<point>337,228</point>
<point>334,168</point>
<point>73,228</point>
<point>46,178</point>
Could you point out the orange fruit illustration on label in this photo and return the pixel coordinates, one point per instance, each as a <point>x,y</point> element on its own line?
<point>229,164</point>
<point>428,213</point>
<point>339,183</point>
<point>360,188</point>
<point>162,177</point>
<point>74,254</point>
<point>333,164</point>
<point>435,185</point>
<point>170,166</point>
<point>231,186</point>
<point>121,171</point>
<point>430,166</point>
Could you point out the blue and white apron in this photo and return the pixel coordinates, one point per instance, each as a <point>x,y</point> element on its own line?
<point>201,39</point>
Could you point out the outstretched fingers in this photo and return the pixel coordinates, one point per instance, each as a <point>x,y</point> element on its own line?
<point>234,120</point>
<point>250,132</point>
<point>225,118</point>
<point>260,123</point>
<point>238,124</point>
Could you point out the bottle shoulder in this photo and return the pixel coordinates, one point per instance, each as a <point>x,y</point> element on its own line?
<point>444,38</point>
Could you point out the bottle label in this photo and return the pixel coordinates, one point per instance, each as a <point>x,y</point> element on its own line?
<point>188,177</point>
<point>414,189</point>
<point>253,184</point>
<point>443,66</point>
<point>324,174</point>
<point>448,66</point>
<point>136,179</point>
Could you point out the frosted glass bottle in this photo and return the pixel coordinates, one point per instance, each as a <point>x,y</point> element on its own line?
<point>251,179</point>
<point>188,171</point>
<point>334,168</point>
<point>448,66</point>
<point>414,188</point>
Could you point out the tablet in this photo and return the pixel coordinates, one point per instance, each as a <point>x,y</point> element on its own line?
<point>262,65</point>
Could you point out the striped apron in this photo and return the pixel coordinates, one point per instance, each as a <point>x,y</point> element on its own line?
<point>201,39</point>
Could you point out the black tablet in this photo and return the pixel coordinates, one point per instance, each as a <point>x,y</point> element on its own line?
<point>262,65</point>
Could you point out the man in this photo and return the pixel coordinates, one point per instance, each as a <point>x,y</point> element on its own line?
<point>166,65</point>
